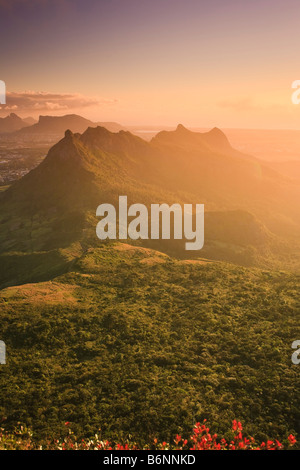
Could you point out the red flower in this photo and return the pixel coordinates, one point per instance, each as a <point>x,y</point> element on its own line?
<point>292,439</point>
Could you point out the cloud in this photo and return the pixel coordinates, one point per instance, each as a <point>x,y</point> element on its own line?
<point>33,102</point>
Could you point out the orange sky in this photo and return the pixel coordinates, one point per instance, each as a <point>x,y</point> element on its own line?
<point>203,63</point>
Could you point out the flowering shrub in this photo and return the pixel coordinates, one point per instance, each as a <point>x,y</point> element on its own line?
<point>201,439</point>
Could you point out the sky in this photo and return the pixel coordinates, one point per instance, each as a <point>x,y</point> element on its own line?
<point>224,63</point>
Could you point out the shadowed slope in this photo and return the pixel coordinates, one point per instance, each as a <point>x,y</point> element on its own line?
<point>54,205</point>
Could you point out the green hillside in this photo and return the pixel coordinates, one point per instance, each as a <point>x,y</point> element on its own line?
<point>143,337</point>
<point>133,341</point>
<point>54,205</point>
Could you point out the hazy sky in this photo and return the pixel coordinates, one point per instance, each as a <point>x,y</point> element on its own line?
<point>225,63</point>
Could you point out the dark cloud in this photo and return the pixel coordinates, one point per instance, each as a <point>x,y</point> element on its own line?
<point>33,102</point>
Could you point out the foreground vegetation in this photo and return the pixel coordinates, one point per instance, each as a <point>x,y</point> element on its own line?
<point>201,439</point>
<point>135,342</point>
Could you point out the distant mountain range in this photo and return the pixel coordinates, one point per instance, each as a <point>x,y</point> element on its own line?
<point>13,123</point>
<point>30,120</point>
<point>51,125</point>
<point>252,215</point>
<point>56,125</point>
<point>179,164</point>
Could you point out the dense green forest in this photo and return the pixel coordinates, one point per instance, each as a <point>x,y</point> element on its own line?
<point>134,342</point>
<point>143,340</point>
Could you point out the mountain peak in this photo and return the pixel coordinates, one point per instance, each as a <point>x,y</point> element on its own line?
<point>216,131</point>
<point>14,116</point>
<point>95,131</point>
<point>218,139</point>
<point>68,134</point>
<point>181,128</point>
<point>11,123</point>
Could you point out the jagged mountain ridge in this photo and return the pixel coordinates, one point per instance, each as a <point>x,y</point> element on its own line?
<point>54,205</point>
<point>205,168</point>
<point>56,125</point>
